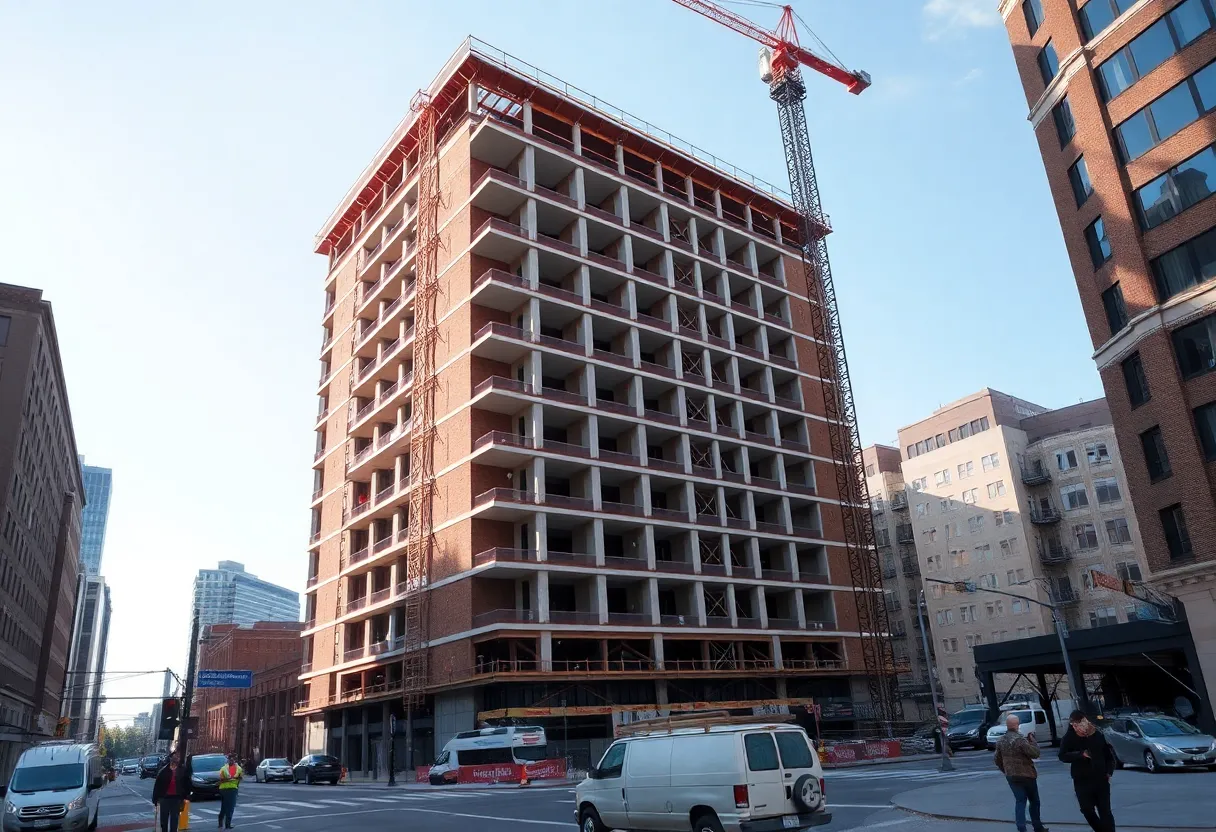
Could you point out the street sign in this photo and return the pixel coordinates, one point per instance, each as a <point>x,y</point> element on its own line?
<point>225,679</point>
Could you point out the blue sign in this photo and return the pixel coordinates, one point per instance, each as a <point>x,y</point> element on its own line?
<point>225,679</point>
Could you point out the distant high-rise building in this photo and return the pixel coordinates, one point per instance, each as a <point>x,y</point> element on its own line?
<point>82,693</point>
<point>230,595</point>
<point>97,482</point>
<point>143,722</point>
<point>41,493</point>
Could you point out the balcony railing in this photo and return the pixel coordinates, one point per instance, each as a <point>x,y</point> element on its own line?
<point>1043,516</point>
<point>899,501</point>
<point>1065,596</point>
<point>1052,555</point>
<point>503,616</point>
<point>1036,475</point>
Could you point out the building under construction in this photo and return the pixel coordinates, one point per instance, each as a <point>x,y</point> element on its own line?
<point>572,464</point>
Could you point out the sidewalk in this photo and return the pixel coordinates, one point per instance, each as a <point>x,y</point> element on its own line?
<point>1172,800</point>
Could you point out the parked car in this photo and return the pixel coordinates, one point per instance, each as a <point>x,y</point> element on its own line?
<point>1159,742</point>
<point>205,774</point>
<point>726,775</point>
<point>969,728</point>
<point>273,768</point>
<point>56,785</point>
<point>317,768</point>
<point>150,765</point>
<point>1031,721</point>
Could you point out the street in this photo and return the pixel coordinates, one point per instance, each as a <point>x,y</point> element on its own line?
<point>867,797</point>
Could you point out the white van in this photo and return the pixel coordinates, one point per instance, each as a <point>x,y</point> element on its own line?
<point>708,773</point>
<point>1031,720</point>
<point>56,785</point>
<point>519,744</point>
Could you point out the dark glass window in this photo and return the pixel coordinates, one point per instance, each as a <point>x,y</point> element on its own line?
<point>1135,135</point>
<point>1165,116</point>
<point>1177,189</point>
<point>1099,244</point>
<point>1190,20</point>
<point>1116,312</point>
<point>1205,86</point>
<point>1153,46</point>
<point>1033,9</point>
<point>1205,426</point>
<point>761,752</point>
<point>1049,64</point>
<point>1173,111</point>
<point>1137,383</point>
<point>1096,15</point>
<point>1116,74</point>
<point>1066,128</point>
<point>1193,347</point>
<point>1155,457</point>
<point>1188,265</point>
<point>1078,177</point>
<point>1176,536</point>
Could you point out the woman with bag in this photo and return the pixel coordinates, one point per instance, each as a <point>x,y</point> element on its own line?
<point>172,788</point>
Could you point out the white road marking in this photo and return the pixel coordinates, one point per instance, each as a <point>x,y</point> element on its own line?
<point>205,811</point>
<point>372,800</point>
<point>564,823</point>
<point>887,823</point>
<point>302,805</point>
<point>337,802</point>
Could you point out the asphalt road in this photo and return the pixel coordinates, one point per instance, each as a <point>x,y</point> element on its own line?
<point>860,798</point>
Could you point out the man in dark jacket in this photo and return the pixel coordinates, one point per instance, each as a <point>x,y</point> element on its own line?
<point>1093,765</point>
<point>171,789</point>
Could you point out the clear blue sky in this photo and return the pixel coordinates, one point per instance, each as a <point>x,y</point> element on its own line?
<point>164,167</point>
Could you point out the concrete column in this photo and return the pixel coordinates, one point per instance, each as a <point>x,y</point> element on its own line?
<point>367,635</point>
<point>536,424</point>
<point>619,152</point>
<point>774,425</point>
<point>739,420</point>
<point>656,650</point>
<point>745,463</point>
<point>580,234</point>
<point>597,541</point>
<point>393,577</point>
<point>791,560</point>
<point>589,383</point>
<point>664,223</point>
<point>747,216</point>
<point>763,345</point>
<point>586,334</point>
<point>580,187</point>
<point>631,300</point>
<point>731,609</point>
<point>648,542</point>
<point>582,284</point>
<point>577,138</point>
<point>720,494</point>
<point>636,396</point>
<point>673,314</point>
<point>690,500</point>
<point>688,189</point>
<point>668,269</point>
<point>472,103</point>
<point>717,203</point>
<point>530,266</point>
<point>777,658</point>
<point>542,597</point>
<point>652,594</point>
<point>770,389</point>
<point>728,330</point>
<point>684,455</point>
<point>719,241</point>
<point>777,231</point>
<point>540,536</point>
<point>534,319</point>
<point>779,470</point>
<point>677,358</point>
<point>635,347</point>
<point>593,433</point>
<point>601,597</point>
<point>527,117</point>
<point>620,203</point>
<point>529,218</point>
<point>682,406</point>
<point>699,597</point>
<point>758,599</point>
<point>694,240</point>
<point>800,609</point>
<point>753,262</point>
<point>528,171</point>
<point>546,645</point>
<point>627,252</point>
<point>639,443</point>
<point>644,481</point>
<point>537,471</point>
<point>597,498</point>
<point>749,509</point>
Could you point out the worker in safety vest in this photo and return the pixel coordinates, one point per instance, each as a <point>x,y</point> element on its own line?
<point>230,782</point>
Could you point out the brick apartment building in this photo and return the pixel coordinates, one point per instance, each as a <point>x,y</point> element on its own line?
<point>634,506</point>
<point>901,576</point>
<point>258,647</point>
<point>265,724</point>
<point>1120,97</point>
<point>41,496</point>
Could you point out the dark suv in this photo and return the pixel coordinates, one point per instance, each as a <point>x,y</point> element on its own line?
<point>150,765</point>
<point>317,768</point>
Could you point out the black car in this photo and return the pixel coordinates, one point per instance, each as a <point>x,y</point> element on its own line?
<point>150,765</point>
<point>969,729</point>
<point>205,774</point>
<point>317,768</point>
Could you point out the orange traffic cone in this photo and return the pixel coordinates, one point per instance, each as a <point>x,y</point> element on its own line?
<point>523,778</point>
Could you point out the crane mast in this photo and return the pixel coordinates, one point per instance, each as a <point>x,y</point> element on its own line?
<point>784,56</point>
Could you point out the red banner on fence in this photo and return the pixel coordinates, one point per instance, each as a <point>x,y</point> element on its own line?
<point>852,752</point>
<point>422,774</point>
<point>512,773</point>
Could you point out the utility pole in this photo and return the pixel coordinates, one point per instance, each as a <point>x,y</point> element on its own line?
<point>922,610</point>
<point>191,668</point>
<point>392,749</point>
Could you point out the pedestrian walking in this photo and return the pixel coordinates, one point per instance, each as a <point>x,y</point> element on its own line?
<point>171,789</point>
<point>230,783</point>
<point>1015,756</point>
<point>1093,766</point>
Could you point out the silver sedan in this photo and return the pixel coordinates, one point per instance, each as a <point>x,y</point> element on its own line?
<point>1158,742</point>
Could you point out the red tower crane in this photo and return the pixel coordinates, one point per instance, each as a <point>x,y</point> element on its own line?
<point>781,59</point>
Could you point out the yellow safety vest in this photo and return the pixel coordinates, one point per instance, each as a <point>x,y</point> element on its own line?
<point>231,781</point>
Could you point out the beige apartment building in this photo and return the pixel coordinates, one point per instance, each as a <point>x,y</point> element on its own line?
<point>1006,493</point>
<point>901,577</point>
<point>634,503</point>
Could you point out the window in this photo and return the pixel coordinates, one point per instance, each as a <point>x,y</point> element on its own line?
<point>1177,539</point>
<point>1188,265</point>
<point>1019,606</point>
<point>870,470</point>
<point>950,673</point>
<point>1102,617</point>
<point>1152,47</point>
<point>920,484</point>
<point>1193,347</point>
<point>1049,64</point>
<point>1078,176</point>
<point>930,535</point>
<point>1074,496</point>
<point>942,477</point>
<point>1177,189</point>
<point>1137,383</point>
<point>761,752</point>
<point>613,761</point>
<point>945,505</point>
<point>1165,116</point>
<point>1096,453</point>
<point>1205,426</point>
<point>1066,460</point>
<point>965,469</point>
<point>1129,570</point>
<point>991,462</point>
<point>945,616</point>
<point>967,614</point>
<point>795,753</point>
<point>1107,490</point>
<point>971,496</point>
<point>1066,128</point>
<point>975,524</point>
<point>1155,456</point>
<point>1033,11</point>
<point>983,553</point>
<point>1116,312</point>
<point>1096,15</point>
<point>1117,531</point>
<point>882,537</point>
<point>1086,535</point>
<point>1009,547</point>
<point>996,489</point>
<point>922,509</point>
<point>1098,243</point>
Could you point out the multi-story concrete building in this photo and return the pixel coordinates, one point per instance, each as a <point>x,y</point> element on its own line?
<point>230,595</point>
<point>255,647</point>
<point>94,516</point>
<point>41,494</point>
<point>901,576</point>
<point>635,505</point>
<point>1121,95</point>
<point>90,638</point>
<point>1006,493</point>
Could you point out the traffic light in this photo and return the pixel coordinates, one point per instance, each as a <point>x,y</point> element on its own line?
<point>170,715</point>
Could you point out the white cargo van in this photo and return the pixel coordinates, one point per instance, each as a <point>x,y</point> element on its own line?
<point>514,744</point>
<point>708,773</point>
<point>56,785</point>
<point>1031,720</point>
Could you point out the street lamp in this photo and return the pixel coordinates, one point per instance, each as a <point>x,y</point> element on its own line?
<point>922,611</point>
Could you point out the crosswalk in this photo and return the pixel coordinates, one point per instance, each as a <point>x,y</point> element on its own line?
<point>925,775</point>
<point>247,808</point>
